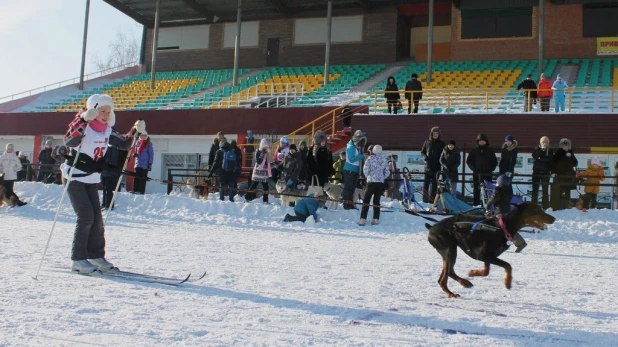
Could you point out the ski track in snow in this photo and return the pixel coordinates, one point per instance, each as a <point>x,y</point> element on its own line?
<point>291,284</point>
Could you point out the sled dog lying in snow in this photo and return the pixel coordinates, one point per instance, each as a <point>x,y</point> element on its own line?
<point>335,191</point>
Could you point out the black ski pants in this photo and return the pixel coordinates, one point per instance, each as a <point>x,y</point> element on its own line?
<point>89,236</point>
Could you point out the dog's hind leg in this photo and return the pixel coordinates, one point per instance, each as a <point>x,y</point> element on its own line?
<point>448,262</point>
<point>480,273</point>
<point>451,273</point>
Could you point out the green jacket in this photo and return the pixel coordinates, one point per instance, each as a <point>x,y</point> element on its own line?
<point>338,166</point>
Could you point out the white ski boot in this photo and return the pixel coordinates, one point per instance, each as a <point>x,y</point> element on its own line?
<point>375,221</point>
<point>103,265</point>
<point>83,267</point>
<point>362,222</point>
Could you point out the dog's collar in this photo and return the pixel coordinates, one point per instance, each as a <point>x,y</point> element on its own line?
<point>503,227</point>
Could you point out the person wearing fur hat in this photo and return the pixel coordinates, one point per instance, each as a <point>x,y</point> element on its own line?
<point>376,170</point>
<point>482,161</point>
<point>450,159</point>
<point>10,166</point>
<point>351,169</point>
<point>563,168</point>
<point>261,172</point>
<point>304,208</point>
<point>593,175</point>
<point>91,132</point>
<point>144,156</point>
<point>225,164</point>
<point>280,153</point>
<point>320,158</point>
<point>431,150</point>
<point>46,162</point>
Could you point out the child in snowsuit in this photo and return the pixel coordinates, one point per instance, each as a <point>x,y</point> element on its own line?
<point>91,132</point>
<point>304,208</point>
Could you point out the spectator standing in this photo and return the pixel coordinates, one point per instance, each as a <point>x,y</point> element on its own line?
<point>563,168</point>
<point>144,156</point>
<point>351,168</point>
<point>214,148</point>
<point>338,167</point>
<point>508,158</point>
<point>46,162</point>
<point>414,93</point>
<point>261,172</point>
<point>114,161</point>
<point>22,175</point>
<point>346,115</point>
<point>431,150</point>
<point>249,148</point>
<point>545,92</point>
<point>559,87</point>
<point>450,159</point>
<point>482,161</point>
<point>10,166</point>
<point>376,171</point>
<point>225,166</point>
<point>304,153</point>
<point>391,94</point>
<point>543,157</point>
<point>530,92</point>
<point>594,174</point>
<point>238,154</point>
<point>320,158</point>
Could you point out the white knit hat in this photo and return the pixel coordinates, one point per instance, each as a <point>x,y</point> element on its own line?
<point>377,149</point>
<point>264,144</point>
<point>98,100</point>
<point>596,161</point>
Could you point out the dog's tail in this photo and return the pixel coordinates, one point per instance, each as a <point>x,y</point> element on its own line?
<point>428,226</point>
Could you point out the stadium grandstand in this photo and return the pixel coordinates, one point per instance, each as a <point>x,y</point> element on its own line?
<point>294,65</point>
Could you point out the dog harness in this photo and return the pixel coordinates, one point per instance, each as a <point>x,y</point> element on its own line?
<point>506,232</point>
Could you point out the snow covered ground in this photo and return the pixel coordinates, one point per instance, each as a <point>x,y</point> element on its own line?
<point>279,284</point>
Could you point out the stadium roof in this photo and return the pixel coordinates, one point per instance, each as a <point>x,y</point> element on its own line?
<point>186,12</point>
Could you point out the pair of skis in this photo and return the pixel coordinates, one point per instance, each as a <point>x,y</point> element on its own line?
<point>144,278</point>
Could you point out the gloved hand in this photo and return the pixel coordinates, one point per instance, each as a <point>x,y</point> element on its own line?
<point>553,175</point>
<point>139,127</point>
<point>90,114</point>
<point>290,183</point>
<point>578,175</point>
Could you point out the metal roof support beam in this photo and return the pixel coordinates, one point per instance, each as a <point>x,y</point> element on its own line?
<point>329,27</point>
<point>155,45</point>
<point>430,41</point>
<point>201,9</point>
<point>84,44</point>
<point>281,7</point>
<point>129,12</point>
<point>237,43</point>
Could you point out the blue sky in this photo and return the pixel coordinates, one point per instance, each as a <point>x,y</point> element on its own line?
<point>41,40</point>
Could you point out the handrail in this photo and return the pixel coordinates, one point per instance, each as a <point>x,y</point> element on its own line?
<point>64,83</point>
<point>294,89</point>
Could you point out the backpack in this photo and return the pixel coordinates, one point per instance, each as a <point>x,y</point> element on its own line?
<point>229,160</point>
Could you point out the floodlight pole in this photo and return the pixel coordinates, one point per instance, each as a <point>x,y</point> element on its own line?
<point>430,41</point>
<point>329,27</point>
<point>83,67</point>
<point>237,43</point>
<point>155,45</point>
<point>541,34</point>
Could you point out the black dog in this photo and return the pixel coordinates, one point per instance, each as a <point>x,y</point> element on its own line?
<point>482,239</point>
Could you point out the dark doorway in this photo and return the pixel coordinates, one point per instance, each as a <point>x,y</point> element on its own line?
<point>272,52</point>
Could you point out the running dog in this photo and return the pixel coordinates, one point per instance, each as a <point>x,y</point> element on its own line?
<point>482,239</point>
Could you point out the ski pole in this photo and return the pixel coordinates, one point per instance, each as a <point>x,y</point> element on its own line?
<point>64,191</point>
<point>124,167</point>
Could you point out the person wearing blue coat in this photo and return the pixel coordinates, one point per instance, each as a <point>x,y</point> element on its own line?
<point>144,156</point>
<point>351,169</point>
<point>304,208</point>
<point>559,96</point>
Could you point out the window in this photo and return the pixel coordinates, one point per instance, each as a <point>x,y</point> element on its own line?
<point>188,37</point>
<point>313,30</point>
<point>249,34</point>
<point>496,23</point>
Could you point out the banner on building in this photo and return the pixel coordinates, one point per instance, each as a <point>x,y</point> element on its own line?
<point>607,45</point>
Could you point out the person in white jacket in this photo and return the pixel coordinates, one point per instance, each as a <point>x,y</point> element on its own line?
<point>9,166</point>
<point>376,170</point>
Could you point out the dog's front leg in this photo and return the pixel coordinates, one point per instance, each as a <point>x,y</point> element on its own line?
<point>480,273</point>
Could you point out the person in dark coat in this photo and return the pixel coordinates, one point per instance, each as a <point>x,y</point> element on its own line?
<point>304,153</point>
<point>508,157</point>
<point>501,201</point>
<point>529,87</point>
<point>114,161</point>
<point>346,119</point>
<point>482,161</point>
<point>450,159</point>
<point>238,171</point>
<point>214,148</point>
<point>431,151</point>
<point>22,175</point>
<point>292,167</point>
<point>414,93</point>
<point>46,162</point>
<point>249,148</point>
<point>227,180</point>
<point>320,158</point>
<point>392,98</point>
<point>563,168</point>
<point>543,157</point>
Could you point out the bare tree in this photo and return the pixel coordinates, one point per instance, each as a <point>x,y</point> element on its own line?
<point>122,50</point>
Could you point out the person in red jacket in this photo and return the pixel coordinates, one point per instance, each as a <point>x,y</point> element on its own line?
<point>545,93</point>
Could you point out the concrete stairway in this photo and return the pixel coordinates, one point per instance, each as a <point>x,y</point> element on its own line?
<point>568,72</point>
<point>380,77</point>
